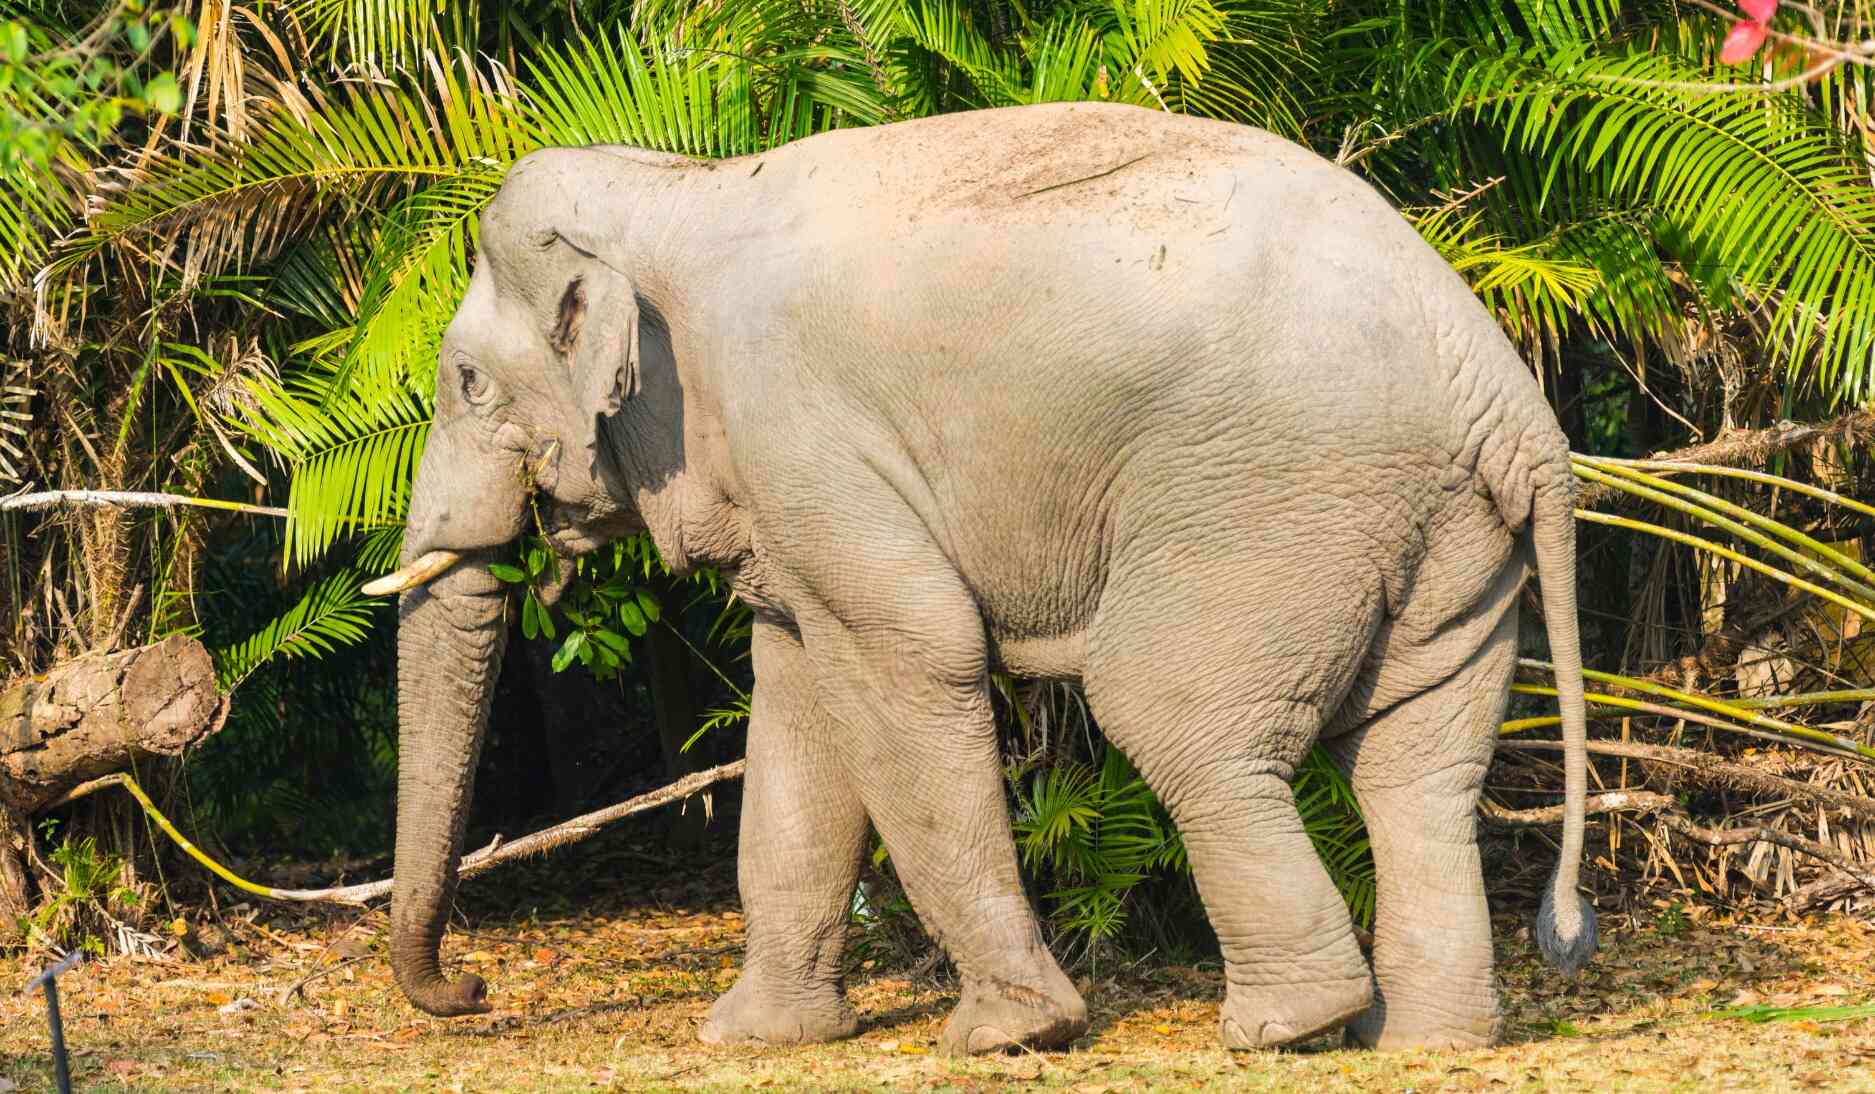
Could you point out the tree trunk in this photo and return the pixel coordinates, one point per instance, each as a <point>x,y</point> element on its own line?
<point>15,899</point>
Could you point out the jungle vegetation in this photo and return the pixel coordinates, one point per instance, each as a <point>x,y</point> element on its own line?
<point>231,235</point>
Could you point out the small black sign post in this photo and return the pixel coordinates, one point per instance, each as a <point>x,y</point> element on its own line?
<point>49,980</point>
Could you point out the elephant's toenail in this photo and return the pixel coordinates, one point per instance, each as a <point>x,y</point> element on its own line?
<point>986,1039</point>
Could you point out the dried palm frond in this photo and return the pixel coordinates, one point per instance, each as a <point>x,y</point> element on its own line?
<point>16,419</point>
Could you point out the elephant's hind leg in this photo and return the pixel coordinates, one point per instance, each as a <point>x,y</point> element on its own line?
<point>1214,707</point>
<point>803,837</point>
<point>1292,966</point>
<point>1417,771</point>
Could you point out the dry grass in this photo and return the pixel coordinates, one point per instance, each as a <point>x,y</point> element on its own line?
<point>607,995</point>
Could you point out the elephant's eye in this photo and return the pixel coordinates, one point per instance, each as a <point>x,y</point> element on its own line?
<point>473,386</point>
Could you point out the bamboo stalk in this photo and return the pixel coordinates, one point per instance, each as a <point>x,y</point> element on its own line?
<point>1764,478</point>
<point>1807,698</point>
<point>1739,446</point>
<point>1828,743</point>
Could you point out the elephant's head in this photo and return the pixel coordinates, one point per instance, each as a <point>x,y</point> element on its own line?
<point>543,350</point>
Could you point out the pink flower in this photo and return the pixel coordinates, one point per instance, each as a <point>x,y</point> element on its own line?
<point>1748,33</point>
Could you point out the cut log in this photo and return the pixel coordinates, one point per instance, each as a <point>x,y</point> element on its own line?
<point>89,717</point>
<point>102,713</point>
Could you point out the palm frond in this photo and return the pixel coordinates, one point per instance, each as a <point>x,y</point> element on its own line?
<point>309,156</point>
<point>1760,187</point>
<point>1264,66</point>
<point>1332,819</point>
<point>417,274</point>
<point>333,613</point>
<point>1166,39</point>
<point>42,164</point>
<point>352,456</point>
<point>383,35</point>
<point>1066,62</point>
<point>1530,288</point>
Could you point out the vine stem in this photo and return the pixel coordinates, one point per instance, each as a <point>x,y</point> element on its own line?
<point>495,854</point>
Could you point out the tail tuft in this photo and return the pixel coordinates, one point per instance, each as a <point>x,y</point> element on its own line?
<point>1568,940</point>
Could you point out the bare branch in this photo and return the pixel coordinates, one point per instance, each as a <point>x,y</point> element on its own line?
<point>1709,770</point>
<point>1615,801</point>
<point>1663,806</point>
<point>1751,447</point>
<point>127,499</point>
<point>1821,892</point>
<point>1729,837</point>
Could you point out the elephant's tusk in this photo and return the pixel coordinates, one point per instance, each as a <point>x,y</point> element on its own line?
<point>420,572</point>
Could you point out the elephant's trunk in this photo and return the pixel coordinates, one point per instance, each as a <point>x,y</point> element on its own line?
<point>449,645</point>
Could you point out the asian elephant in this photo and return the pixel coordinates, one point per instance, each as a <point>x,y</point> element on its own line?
<point>1167,405</point>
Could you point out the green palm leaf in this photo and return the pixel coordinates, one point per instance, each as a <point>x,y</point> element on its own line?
<point>351,456</point>
<point>310,156</point>
<point>385,34</point>
<point>417,274</point>
<point>1531,288</point>
<point>333,613</point>
<point>1759,186</point>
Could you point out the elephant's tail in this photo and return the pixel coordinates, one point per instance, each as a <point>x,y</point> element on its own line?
<point>1565,925</point>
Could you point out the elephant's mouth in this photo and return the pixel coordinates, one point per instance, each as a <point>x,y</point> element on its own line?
<point>569,541</point>
<point>569,536</point>
<point>570,530</point>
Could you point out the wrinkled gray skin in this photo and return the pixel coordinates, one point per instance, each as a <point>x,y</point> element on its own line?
<point>1167,405</point>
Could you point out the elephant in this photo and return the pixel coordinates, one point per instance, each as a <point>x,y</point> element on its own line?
<point>1169,406</point>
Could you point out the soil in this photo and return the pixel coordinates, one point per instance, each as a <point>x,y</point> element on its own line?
<point>606,992</point>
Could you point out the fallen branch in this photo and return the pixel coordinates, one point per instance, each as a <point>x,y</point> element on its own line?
<point>298,987</point>
<point>1729,837</point>
<point>1711,771</point>
<point>1750,447</point>
<point>495,854</point>
<point>1614,801</point>
<point>1822,892</point>
<point>127,499</point>
<point>1662,806</point>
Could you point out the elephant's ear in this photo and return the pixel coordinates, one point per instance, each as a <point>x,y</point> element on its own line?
<point>596,334</point>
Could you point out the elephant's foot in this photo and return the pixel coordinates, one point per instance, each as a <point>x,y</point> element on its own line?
<point>999,1015</point>
<point>750,1014</point>
<point>1397,1028</point>
<point>1281,1014</point>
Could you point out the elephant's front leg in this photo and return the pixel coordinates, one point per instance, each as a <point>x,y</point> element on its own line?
<point>913,690</point>
<point>803,839</point>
